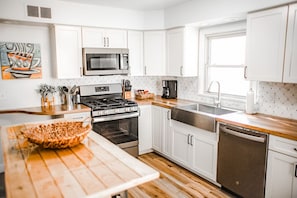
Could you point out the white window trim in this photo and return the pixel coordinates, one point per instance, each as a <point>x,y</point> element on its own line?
<point>237,27</point>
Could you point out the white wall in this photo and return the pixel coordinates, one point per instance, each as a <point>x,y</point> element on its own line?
<point>83,14</point>
<point>201,10</point>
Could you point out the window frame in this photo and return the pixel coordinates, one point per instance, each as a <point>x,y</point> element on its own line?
<point>219,31</point>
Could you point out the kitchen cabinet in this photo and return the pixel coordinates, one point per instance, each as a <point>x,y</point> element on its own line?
<point>103,38</point>
<point>281,179</point>
<point>145,129</point>
<point>161,130</point>
<point>182,52</point>
<point>135,46</point>
<point>290,69</point>
<point>76,116</point>
<point>67,51</point>
<point>195,149</point>
<point>272,45</point>
<point>154,53</point>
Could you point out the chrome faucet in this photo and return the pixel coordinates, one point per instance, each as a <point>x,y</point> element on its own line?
<point>217,101</point>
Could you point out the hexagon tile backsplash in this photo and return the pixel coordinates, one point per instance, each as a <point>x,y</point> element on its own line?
<point>278,99</point>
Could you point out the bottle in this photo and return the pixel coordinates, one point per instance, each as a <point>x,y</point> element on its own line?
<point>249,107</point>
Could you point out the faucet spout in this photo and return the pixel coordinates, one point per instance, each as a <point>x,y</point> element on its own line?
<point>217,101</point>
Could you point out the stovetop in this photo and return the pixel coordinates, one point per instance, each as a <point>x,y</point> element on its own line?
<point>108,103</point>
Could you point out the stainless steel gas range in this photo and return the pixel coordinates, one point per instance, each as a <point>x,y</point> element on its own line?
<point>113,117</point>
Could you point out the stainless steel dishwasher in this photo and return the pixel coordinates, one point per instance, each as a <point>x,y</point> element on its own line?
<point>242,161</point>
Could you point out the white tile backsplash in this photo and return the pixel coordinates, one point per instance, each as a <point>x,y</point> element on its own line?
<point>278,99</point>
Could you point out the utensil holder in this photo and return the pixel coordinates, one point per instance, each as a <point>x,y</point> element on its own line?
<point>69,101</point>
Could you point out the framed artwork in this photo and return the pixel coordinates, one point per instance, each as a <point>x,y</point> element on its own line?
<point>20,60</point>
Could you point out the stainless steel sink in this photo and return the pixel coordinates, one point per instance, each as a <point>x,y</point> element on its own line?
<point>198,115</point>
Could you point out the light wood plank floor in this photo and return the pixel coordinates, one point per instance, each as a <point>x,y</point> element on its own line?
<point>174,181</point>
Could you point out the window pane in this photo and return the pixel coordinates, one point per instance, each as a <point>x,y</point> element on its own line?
<point>227,50</point>
<point>231,80</point>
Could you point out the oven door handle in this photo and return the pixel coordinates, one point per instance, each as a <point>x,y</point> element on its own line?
<point>242,135</point>
<point>115,117</point>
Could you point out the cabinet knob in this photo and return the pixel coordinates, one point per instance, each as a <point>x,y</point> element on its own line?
<point>295,149</point>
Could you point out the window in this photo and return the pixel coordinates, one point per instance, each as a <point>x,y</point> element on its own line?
<point>223,60</point>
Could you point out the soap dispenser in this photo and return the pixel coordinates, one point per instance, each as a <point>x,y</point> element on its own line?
<point>250,105</point>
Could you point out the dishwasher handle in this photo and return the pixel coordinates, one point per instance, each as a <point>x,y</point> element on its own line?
<point>242,135</point>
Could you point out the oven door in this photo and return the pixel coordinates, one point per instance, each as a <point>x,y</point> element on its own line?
<point>120,129</point>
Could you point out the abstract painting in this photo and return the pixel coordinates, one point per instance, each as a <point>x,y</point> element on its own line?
<point>20,60</point>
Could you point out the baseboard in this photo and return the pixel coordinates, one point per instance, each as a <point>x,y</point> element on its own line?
<point>145,151</point>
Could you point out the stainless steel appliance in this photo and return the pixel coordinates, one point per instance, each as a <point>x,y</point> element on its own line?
<point>105,61</point>
<point>113,117</point>
<point>169,89</point>
<point>242,160</point>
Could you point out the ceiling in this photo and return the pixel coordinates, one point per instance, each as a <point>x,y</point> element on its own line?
<point>143,5</point>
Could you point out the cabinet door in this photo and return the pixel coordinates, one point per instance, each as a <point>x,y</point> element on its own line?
<point>154,53</point>
<point>93,37</point>
<point>281,180</point>
<point>266,36</point>
<point>116,38</point>
<point>135,46</point>
<point>157,127</point>
<point>175,49</point>
<point>205,156</point>
<point>181,144</point>
<point>145,129</point>
<point>67,51</point>
<point>290,69</point>
<point>167,133</point>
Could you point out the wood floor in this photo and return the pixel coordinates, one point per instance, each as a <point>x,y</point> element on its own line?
<point>174,181</point>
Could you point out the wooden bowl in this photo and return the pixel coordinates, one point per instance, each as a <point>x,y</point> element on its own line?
<point>57,134</point>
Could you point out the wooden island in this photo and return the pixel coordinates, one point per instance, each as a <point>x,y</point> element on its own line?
<point>94,168</point>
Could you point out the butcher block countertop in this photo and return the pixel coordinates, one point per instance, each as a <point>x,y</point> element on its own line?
<point>94,168</point>
<point>278,126</point>
<point>53,110</point>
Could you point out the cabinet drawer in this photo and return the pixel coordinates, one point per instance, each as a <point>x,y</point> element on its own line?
<point>283,145</point>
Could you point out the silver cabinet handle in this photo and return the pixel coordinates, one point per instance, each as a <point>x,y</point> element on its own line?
<point>181,70</point>
<point>244,73</point>
<point>144,70</point>
<point>139,111</point>
<point>191,140</point>
<point>107,38</point>
<point>104,42</point>
<point>242,135</point>
<point>188,139</point>
<point>168,115</point>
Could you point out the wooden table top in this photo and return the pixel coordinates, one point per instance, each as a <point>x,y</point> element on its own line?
<point>52,110</point>
<point>278,126</point>
<point>94,168</point>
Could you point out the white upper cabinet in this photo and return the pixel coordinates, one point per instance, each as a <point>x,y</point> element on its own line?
<point>135,46</point>
<point>154,53</point>
<point>182,52</point>
<point>271,45</point>
<point>290,70</point>
<point>104,38</point>
<point>67,51</point>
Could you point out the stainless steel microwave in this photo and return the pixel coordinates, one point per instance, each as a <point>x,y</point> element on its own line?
<point>105,61</point>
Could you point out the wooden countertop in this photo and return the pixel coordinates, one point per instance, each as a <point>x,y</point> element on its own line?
<point>278,126</point>
<point>162,102</point>
<point>95,168</point>
<point>53,110</point>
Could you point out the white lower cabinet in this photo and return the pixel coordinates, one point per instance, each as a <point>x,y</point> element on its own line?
<point>161,130</point>
<point>195,148</point>
<point>145,129</point>
<point>281,179</point>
